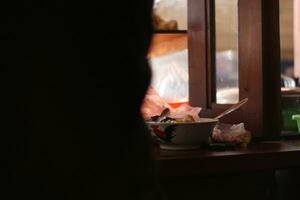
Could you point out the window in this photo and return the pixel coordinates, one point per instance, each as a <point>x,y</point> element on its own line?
<point>226,37</point>
<point>290,69</point>
<point>250,45</point>
<point>258,63</point>
<point>169,51</point>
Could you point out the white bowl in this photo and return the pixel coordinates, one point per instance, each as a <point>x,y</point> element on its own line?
<point>182,135</point>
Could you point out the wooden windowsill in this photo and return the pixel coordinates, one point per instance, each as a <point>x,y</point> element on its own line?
<point>257,156</point>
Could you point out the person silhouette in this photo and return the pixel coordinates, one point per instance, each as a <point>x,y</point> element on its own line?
<point>74,75</point>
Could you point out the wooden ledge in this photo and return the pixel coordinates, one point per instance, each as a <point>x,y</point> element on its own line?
<point>258,156</point>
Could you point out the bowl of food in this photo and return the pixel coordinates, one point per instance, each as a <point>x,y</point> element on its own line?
<point>182,134</point>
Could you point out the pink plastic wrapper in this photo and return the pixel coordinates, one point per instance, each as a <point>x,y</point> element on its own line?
<point>185,110</point>
<point>154,104</point>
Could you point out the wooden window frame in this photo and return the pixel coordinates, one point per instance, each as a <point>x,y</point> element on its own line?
<point>259,64</point>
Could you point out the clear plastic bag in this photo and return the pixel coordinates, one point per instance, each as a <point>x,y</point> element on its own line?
<point>231,133</point>
<point>170,76</point>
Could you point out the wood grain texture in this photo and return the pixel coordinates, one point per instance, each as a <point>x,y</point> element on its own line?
<point>250,63</point>
<point>259,57</point>
<point>197,42</point>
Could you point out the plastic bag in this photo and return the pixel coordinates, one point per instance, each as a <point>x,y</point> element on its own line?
<point>170,76</point>
<point>231,133</point>
<point>184,111</point>
<point>154,104</point>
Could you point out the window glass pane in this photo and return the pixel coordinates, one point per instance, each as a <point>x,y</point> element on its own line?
<point>169,61</point>
<point>287,39</point>
<point>296,37</point>
<point>170,14</point>
<point>226,19</point>
<point>290,69</point>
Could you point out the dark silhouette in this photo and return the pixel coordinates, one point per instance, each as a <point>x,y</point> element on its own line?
<point>73,77</point>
